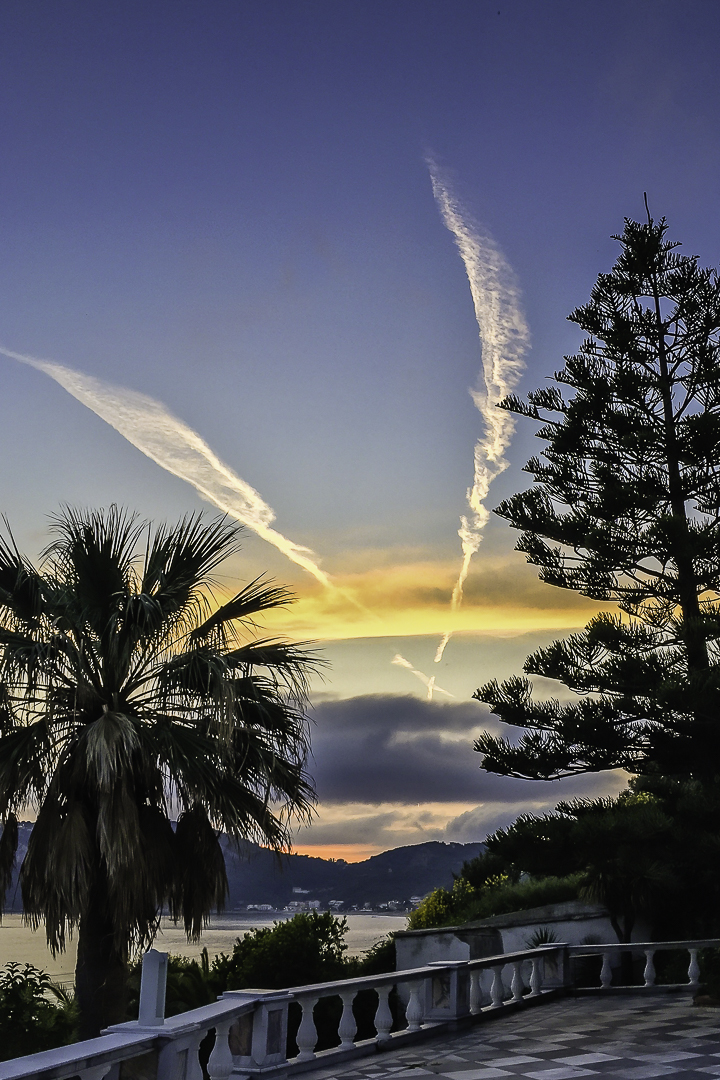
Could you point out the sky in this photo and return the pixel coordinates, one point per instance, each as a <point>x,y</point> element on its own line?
<point>257,255</point>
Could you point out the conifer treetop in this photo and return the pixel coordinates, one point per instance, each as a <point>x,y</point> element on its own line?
<point>625,507</point>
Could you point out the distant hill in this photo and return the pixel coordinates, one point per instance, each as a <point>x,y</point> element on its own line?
<point>257,876</point>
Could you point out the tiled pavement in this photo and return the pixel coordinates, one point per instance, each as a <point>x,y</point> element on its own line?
<point>624,1037</point>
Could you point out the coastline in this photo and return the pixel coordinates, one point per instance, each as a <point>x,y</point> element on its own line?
<point>23,945</point>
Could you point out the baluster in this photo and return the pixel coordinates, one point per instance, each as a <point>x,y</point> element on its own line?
<point>307,1034</point>
<point>220,1064</point>
<point>475,993</point>
<point>694,969</point>
<point>193,1068</point>
<point>414,1012</point>
<point>383,1016</point>
<point>536,977</point>
<point>95,1072</point>
<point>606,971</point>
<point>497,990</point>
<point>348,1024</point>
<point>649,974</point>
<point>517,981</point>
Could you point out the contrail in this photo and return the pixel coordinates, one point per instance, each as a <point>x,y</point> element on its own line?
<point>505,338</point>
<point>429,684</point>
<point>170,443</point>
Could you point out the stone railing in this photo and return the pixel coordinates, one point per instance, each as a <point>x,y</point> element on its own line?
<point>251,1025</point>
<point>610,953</point>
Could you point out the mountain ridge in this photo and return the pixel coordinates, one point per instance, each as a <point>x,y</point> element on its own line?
<point>257,875</point>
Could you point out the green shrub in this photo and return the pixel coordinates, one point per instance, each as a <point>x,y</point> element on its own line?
<point>498,896</point>
<point>443,907</point>
<point>30,1020</point>
<point>534,892</point>
<point>305,949</point>
<point>376,960</point>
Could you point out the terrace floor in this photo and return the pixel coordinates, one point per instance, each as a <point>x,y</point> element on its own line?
<point>628,1037</point>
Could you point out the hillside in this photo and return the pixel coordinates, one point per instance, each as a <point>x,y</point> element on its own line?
<point>257,876</point>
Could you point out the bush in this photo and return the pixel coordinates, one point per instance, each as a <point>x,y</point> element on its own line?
<point>443,907</point>
<point>498,896</point>
<point>30,1020</point>
<point>376,960</point>
<point>305,949</point>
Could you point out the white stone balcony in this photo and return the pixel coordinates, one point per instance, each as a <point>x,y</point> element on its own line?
<point>444,1002</point>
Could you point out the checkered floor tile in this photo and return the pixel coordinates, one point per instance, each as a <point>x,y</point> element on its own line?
<point>623,1038</point>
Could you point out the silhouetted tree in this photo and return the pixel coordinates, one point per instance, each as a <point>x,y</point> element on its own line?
<point>621,847</point>
<point>625,507</point>
<point>128,699</point>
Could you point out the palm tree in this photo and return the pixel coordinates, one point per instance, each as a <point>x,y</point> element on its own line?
<point>127,700</point>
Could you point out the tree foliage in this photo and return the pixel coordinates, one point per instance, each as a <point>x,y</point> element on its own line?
<point>129,698</point>
<point>305,949</point>
<point>625,507</point>
<point>619,847</point>
<point>479,895</point>
<point>35,1013</point>
<point>639,855</point>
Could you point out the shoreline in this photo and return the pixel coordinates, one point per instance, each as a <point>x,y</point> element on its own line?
<point>21,944</point>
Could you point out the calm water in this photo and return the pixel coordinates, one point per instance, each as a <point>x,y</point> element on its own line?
<point>18,942</point>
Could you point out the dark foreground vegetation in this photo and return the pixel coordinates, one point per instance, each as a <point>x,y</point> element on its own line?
<point>128,699</point>
<point>36,1015</point>
<point>643,856</point>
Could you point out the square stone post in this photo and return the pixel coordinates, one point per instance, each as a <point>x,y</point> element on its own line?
<point>153,982</point>
<point>447,994</point>
<point>258,1040</point>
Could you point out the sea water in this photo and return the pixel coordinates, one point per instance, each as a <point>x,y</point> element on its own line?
<point>25,946</point>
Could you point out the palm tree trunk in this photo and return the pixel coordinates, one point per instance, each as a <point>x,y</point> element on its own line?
<point>101,970</point>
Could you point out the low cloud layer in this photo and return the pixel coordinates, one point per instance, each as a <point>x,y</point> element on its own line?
<point>393,769</point>
<point>397,749</point>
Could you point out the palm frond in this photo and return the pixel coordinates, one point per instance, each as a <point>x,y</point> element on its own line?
<point>8,850</point>
<point>202,880</point>
<point>182,558</point>
<point>26,754</point>
<point>256,597</point>
<point>20,584</point>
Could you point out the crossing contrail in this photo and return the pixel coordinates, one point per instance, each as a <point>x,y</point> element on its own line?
<point>170,443</point>
<point>428,683</point>
<point>505,338</point>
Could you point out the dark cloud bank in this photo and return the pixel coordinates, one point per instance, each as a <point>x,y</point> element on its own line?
<point>380,749</point>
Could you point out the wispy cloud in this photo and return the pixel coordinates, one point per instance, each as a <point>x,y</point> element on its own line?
<point>170,443</point>
<point>505,339</point>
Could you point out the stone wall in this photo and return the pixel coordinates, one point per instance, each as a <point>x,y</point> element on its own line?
<point>572,922</point>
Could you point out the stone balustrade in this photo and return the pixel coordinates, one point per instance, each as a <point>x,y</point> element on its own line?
<point>649,949</point>
<point>251,1025</point>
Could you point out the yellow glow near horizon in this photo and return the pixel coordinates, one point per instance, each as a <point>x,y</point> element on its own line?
<point>411,599</point>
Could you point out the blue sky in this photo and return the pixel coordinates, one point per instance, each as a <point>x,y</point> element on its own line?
<point>226,207</point>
